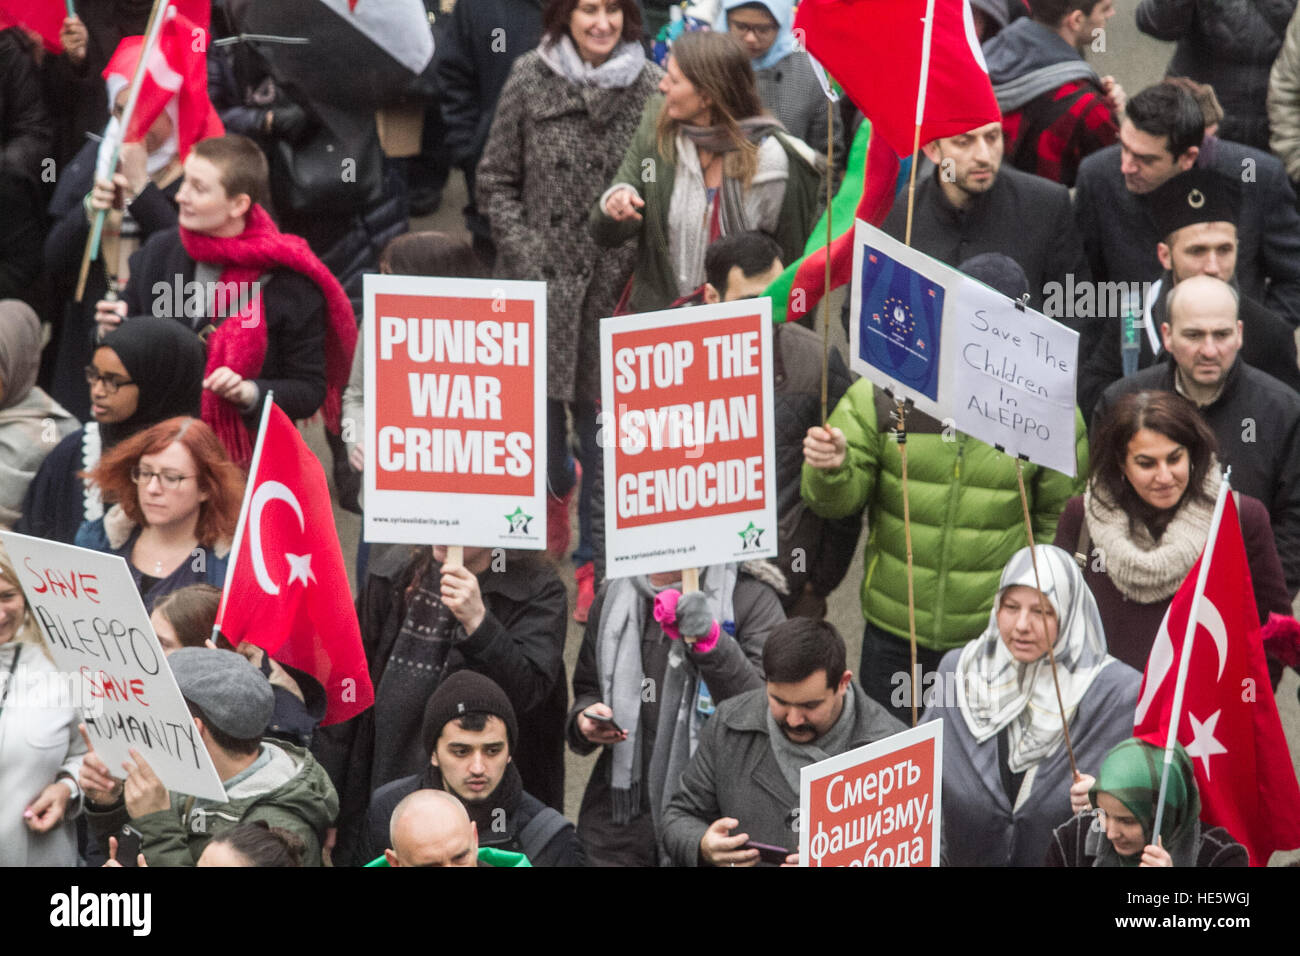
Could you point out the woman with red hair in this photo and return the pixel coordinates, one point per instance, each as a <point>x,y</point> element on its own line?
<point>176,496</point>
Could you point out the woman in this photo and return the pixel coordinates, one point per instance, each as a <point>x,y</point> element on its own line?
<point>1119,831</point>
<point>30,421</point>
<point>1006,772</point>
<point>184,617</point>
<point>140,199</point>
<point>253,844</point>
<point>783,72</point>
<point>1144,519</point>
<point>146,371</point>
<point>564,120</point>
<point>706,161</point>
<point>176,499</point>
<point>40,748</point>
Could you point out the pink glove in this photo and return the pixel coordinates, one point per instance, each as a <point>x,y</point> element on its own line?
<point>666,614</point>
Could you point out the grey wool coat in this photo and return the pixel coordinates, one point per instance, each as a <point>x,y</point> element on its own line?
<point>553,148</point>
<point>735,774</point>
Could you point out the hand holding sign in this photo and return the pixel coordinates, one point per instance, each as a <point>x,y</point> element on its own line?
<point>145,793</point>
<point>824,448</point>
<point>100,787</point>
<point>1079,792</point>
<point>461,595</point>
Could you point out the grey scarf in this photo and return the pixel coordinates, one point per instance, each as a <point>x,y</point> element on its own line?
<point>618,664</point>
<point>618,72</point>
<point>792,757</point>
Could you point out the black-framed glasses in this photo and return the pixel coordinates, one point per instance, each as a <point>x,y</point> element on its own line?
<point>761,31</point>
<point>110,381</point>
<point>170,480</point>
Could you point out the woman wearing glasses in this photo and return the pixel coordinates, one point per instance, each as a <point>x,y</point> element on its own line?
<point>147,370</point>
<point>175,498</point>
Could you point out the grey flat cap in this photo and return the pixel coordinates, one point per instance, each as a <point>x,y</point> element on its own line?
<point>230,690</point>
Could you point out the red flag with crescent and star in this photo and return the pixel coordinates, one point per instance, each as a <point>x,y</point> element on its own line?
<point>287,587</point>
<point>1230,725</point>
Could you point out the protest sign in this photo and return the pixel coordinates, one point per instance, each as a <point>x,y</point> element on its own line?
<point>96,627</point>
<point>455,411</point>
<point>1014,384</point>
<point>687,437</point>
<point>876,805</point>
<point>961,352</point>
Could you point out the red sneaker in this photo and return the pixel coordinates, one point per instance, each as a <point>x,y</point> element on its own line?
<point>586,578</point>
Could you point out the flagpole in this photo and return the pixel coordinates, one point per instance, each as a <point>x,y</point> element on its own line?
<point>152,32</point>
<point>243,515</point>
<point>826,292</point>
<point>1185,656</point>
<point>926,37</point>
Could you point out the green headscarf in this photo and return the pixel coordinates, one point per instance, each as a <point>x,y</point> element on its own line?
<point>1131,774</point>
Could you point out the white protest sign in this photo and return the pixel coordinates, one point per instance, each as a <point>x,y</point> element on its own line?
<point>877,805</point>
<point>688,437</point>
<point>96,627</point>
<point>1014,385</point>
<point>455,411</point>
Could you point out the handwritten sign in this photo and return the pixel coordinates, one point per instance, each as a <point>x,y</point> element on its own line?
<point>455,411</point>
<point>1014,383</point>
<point>96,627</point>
<point>877,805</point>
<point>687,401</point>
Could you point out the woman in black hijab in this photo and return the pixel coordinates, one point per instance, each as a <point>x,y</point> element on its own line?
<point>145,372</point>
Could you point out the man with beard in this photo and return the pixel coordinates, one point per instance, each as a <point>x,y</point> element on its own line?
<point>742,784</point>
<point>469,732</point>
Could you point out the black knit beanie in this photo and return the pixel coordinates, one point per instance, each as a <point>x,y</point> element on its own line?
<point>461,694</point>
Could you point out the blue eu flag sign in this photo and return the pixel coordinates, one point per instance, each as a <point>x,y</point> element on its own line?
<point>900,321</point>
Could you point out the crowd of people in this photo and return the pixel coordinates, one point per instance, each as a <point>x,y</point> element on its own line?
<point>635,158</point>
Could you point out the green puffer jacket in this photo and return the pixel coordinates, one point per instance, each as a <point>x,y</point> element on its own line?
<point>291,791</point>
<point>643,166</point>
<point>966,515</point>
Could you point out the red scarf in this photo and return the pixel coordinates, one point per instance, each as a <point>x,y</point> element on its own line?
<point>240,342</point>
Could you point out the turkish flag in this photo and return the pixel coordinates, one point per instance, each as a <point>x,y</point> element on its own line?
<point>873,48</point>
<point>1229,726</point>
<point>286,587</point>
<point>43,16</point>
<point>177,68</point>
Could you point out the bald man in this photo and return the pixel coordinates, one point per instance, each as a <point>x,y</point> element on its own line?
<point>432,828</point>
<point>1255,417</point>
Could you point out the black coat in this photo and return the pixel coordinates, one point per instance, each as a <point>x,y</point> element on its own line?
<point>561,849</point>
<point>26,134</point>
<point>294,309</point>
<point>520,645</point>
<point>1257,422</point>
<point>1023,216</point>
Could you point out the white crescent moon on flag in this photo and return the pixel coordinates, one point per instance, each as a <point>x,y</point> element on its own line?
<point>1161,660</point>
<point>267,492</point>
<point>972,38</point>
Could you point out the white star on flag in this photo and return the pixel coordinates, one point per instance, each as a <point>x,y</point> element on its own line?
<point>299,568</point>
<point>1203,744</point>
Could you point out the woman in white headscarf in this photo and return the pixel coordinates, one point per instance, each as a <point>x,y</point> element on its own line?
<point>31,423</point>
<point>1006,774</point>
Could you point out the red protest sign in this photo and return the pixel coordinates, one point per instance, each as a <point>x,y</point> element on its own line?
<point>688,402</point>
<point>455,410</point>
<point>877,805</point>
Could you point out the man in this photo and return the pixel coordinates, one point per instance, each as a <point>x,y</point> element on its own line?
<point>1055,108</point>
<point>1196,212</point>
<point>744,776</point>
<point>971,204</point>
<point>431,828</point>
<point>293,330</point>
<point>1163,134</point>
<point>470,733</point>
<point>814,554</point>
<point>271,781</point>
<point>1255,417</point>
<point>423,619</point>
<point>964,505</point>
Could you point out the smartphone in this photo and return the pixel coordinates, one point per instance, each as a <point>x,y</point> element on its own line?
<point>128,845</point>
<point>767,853</point>
<point>603,719</point>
